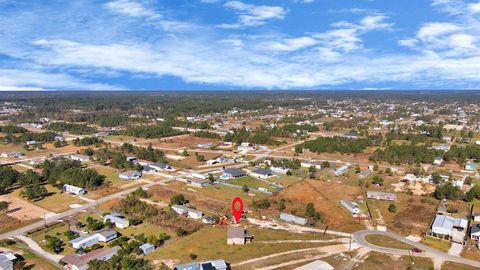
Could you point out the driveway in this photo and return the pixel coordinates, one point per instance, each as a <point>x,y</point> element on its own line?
<point>456,249</point>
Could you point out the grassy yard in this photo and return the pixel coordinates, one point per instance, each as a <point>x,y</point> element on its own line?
<point>385,241</point>
<point>380,261</point>
<point>211,243</point>
<point>56,201</point>
<point>32,261</point>
<point>56,231</point>
<point>442,245</point>
<point>250,182</point>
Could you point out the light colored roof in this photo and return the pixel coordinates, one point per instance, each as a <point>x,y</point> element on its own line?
<point>235,232</point>
<point>146,246</point>
<point>80,260</point>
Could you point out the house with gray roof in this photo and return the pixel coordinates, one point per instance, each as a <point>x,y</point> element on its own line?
<point>262,173</point>
<point>448,227</point>
<point>208,265</point>
<point>233,173</point>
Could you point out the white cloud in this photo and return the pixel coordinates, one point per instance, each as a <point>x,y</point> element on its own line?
<point>252,15</point>
<point>31,80</point>
<point>129,8</point>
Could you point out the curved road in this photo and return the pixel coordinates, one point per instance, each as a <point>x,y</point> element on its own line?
<point>429,252</point>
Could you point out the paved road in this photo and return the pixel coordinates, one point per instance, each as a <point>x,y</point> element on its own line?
<point>70,212</point>
<point>429,252</point>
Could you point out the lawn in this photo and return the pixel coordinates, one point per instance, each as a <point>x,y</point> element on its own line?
<point>250,182</point>
<point>442,245</point>
<point>385,241</point>
<point>210,242</point>
<point>380,261</point>
<point>56,231</point>
<point>457,266</point>
<point>32,261</point>
<point>284,180</point>
<point>57,201</point>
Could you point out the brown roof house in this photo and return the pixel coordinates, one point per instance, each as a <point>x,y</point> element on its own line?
<point>238,236</point>
<point>80,262</point>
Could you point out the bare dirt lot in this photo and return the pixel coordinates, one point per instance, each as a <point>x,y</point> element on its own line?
<point>23,210</point>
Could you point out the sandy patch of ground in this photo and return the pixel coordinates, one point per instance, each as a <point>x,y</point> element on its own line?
<point>175,157</point>
<point>24,210</point>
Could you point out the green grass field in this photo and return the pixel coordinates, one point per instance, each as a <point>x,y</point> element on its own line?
<point>442,245</point>
<point>211,243</point>
<point>385,241</point>
<point>56,231</point>
<point>250,182</point>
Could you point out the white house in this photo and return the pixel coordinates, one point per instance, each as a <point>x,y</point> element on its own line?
<point>6,260</point>
<point>245,146</point>
<point>74,189</point>
<point>130,175</point>
<point>352,207</point>
<point>160,166</point>
<point>118,220</point>
<point>262,173</point>
<point>147,248</point>
<point>88,240</point>
<point>449,227</point>
<point>81,158</point>
<point>293,219</point>
<point>279,170</point>
<point>183,210</point>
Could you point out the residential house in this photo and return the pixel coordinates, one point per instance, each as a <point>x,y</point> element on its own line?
<point>229,173</point>
<point>293,219</point>
<point>448,227</point>
<point>117,219</point>
<point>381,196</point>
<point>209,220</point>
<point>59,138</point>
<point>160,166</point>
<point>279,170</point>
<point>438,161</point>
<point>475,232</point>
<point>262,173</point>
<point>78,157</point>
<point>238,236</point>
<point>88,240</point>
<point>130,175</point>
<point>133,160</point>
<point>351,206</point>
<point>12,154</point>
<point>6,260</point>
<point>316,265</point>
<point>80,262</point>
<point>245,146</point>
<point>198,182</point>
<point>33,142</point>
<point>148,170</point>
<point>74,189</point>
<point>476,217</point>
<point>209,265</point>
<point>101,134</point>
<point>147,248</point>
<point>340,170</point>
<point>183,210</point>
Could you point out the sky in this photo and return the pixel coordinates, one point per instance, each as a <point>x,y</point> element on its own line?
<point>239,45</point>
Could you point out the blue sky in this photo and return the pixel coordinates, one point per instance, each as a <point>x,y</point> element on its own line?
<point>239,45</point>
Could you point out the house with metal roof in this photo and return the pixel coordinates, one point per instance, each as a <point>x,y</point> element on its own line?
<point>183,210</point>
<point>130,175</point>
<point>119,221</point>
<point>74,189</point>
<point>208,265</point>
<point>262,173</point>
<point>351,206</point>
<point>147,248</point>
<point>385,196</point>
<point>6,260</point>
<point>160,166</point>
<point>230,173</point>
<point>475,232</point>
<point>293,219</point>
<point>448,227</point>
<point>88,240</point>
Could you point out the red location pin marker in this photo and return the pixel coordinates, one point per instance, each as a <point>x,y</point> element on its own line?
<point>237,213</point>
